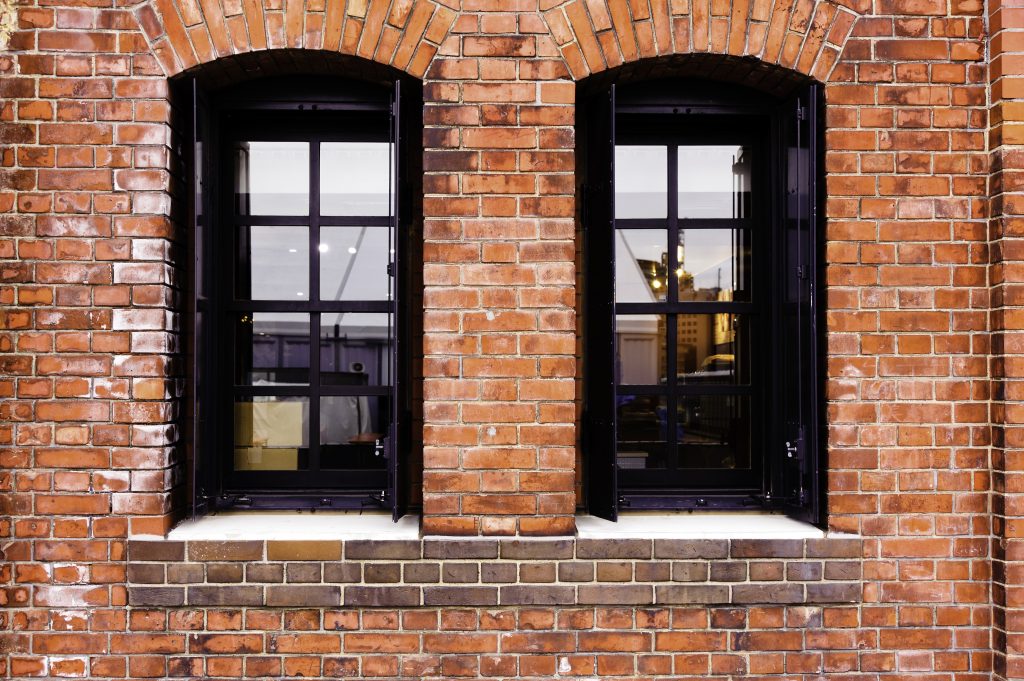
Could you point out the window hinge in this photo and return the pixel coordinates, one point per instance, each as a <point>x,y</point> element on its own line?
<point>801,272</point>
<point>801,113</point>
<point>391,269</point>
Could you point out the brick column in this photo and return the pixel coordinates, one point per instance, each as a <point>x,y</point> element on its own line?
<point>499,294</point>
<point>1006,144</point>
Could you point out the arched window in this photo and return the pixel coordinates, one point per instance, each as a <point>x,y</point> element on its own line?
<point>302,197</point>
<point>701,352</point>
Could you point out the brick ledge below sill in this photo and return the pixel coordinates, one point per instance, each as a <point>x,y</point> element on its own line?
<point>340,525</point>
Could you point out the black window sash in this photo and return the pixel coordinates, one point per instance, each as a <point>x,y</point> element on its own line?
<point>598,437</point>
<point>789,475</point>
<point>796,478</point>
<point>211,391</point>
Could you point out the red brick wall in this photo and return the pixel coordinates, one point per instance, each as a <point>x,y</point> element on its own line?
<point>923,223</point>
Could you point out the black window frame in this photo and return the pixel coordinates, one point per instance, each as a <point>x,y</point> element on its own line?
<point>785,133</point>
<point>313,109</point>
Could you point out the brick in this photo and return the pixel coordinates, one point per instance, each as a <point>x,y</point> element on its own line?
<point>303,596</point>
<point>222,595</point>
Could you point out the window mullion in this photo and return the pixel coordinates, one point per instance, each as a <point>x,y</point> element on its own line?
<point>314,299</point>
<point>672,320</point>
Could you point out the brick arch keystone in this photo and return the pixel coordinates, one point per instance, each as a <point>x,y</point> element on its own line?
<point>404,34</point>
<point>802,35</point>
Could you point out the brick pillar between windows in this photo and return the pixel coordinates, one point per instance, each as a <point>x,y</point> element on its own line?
<point>499,273</point>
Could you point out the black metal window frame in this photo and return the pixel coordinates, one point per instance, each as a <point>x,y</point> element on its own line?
<point>313,111</point>
<point>786,414</point>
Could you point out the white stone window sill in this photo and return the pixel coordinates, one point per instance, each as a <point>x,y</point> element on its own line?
<point>349,525</point>
<point>695,525</point>
<point>297,525</point>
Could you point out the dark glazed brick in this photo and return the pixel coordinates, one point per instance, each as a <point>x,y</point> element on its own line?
<point>653,572</point>
<point>834,592</point>
<point>537,595</point>
<point>679,594</point>
<point>156,550</point>
<point>732,571</point>
<point>460,573</point>
<point>803,572</point>
<point>343,573</point>
<point>264,572</point>
<point>843,570</point>
<point>460,548</point>
<point>576,571</point>
<point>460,595</point>
<point>145,573</point>
<point>611,549</point>
<point>606,594</point>
<point>224,572</point>
<point>302,573</point>
<point>155,595</point>
<point>497,573</point>
<point>835,547</point>
<point>303,550</point>
<point>689,572</point>
<point>382,573</point>
<point>767,593</point>
<point>225,595</point>
<point>304,596</point>
<point>225,550</point>
<point>368,549</point>
<point>422,573</point>
<point>537,573</point>
<point>614,572</point>
<point>385,596</point>
<point>690,549</point>
<point>536,549</point>
<point>767,548</point>
<point>767,571</point>
<point>186,573</point>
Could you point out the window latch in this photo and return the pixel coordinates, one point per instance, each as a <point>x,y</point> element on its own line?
<point>791,449</point>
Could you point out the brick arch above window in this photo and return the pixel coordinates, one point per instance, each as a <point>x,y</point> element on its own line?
<point>187,33</point>
<point>806,36</point>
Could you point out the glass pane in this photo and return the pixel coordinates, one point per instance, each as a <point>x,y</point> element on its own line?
<point>271,433</point>
<point>714,431</point>
<point>713,348</point>
<point>273,263</point>
<point>714,265</point>
<point>640,343</point>
<point>640,429</point>
<point>641,182</point>
<point>714,182</point>
<point>354,263</point>
<point>272,349</point>
<point>355,349</point>
<point>272,178</point>
<point>641,265</point>
<point>355,178</point>
<point>350,427</point>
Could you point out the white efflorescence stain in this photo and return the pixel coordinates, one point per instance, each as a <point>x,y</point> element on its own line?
<point>563,666</point>
<point>489,315</point>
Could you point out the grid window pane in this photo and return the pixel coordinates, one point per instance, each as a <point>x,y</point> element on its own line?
<point>642,349</point>
<point>271,433</point>
<point>641,181</point>
<point>272,178</point>
<point>273,263</point>
<point>355,178</point>
<point>714,181</point>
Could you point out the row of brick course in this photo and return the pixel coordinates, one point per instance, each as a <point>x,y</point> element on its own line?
<point>491,573</point>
